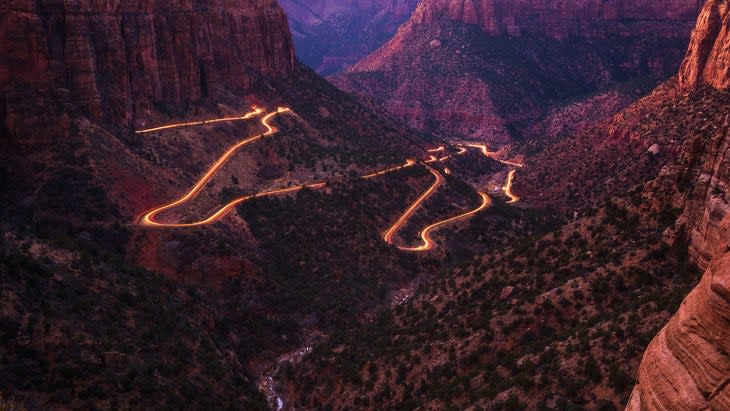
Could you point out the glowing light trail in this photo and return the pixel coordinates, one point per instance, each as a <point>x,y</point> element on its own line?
<point>256,111</point>
<point>388,235</point>
<point>409,163</point>
<point>493,154</point>
<point>508,188</point>
<point>427,243</point>
<point>148,219</point>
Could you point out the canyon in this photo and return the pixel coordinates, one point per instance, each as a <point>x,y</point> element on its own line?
<point>193,218</point>
<point>663,157</point>
<point>492,69</point>
<point>330,36</point>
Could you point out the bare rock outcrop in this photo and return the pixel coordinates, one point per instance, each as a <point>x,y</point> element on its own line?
<point>687,365</point>
<point>121,58</point>
<point>708,58</point>
<point>561,19</point>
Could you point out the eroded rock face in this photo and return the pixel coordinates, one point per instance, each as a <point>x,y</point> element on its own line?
<point>707,212</point>
<point>121,58</point>
<point>708,58</point>
<point>687,365</point>
<point>561,18</point>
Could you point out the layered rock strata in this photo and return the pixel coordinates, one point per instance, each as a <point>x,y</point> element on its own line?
<point>123,58</point>
<point>687,365</point>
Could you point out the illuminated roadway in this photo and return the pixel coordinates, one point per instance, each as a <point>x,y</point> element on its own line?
<point>409,163</point>
<point>427,243</point>
<point>388,235</point>
<point>256,111</point>
<point>149,218</point>
<point>508,188</point>
<point>493,154</point>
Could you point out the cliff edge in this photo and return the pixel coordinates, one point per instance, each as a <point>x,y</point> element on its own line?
<point>120,59</point>
<point>708,58</point>
<point>687,365</point>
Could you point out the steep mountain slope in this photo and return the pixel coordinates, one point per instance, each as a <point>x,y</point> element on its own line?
<point>621,151</point>
<point>488,70</point>
<point>331,35</point>
<point>79,80</point>
<point>83,331</point>
<point>686,365</point>
<point>558,319</point>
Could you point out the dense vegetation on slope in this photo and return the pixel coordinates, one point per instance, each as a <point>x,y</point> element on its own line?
<point>557,318</point>
<point>83,329</point>
<point>536,324</point>
<point>590,167</point>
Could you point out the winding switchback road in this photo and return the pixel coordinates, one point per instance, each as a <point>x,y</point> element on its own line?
<point>390,232</point>
<point>493,154</point>
<point>427,243</point>
<point>256,111</point>
<point>149,218</point>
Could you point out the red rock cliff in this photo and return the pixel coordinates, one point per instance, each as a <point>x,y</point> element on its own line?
<point>562,18</point>
<point>708,58</point>
<point>687,365</point>
<point>119,58</point>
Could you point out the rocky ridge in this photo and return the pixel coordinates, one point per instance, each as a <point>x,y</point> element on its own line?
<point>489,70</point>
<point>560,19</point>
<point>686,367</point>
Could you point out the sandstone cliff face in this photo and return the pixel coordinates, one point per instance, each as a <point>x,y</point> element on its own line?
<point>687,365</point>
<point>121,58</point>
<point>708,58</point>
<point>562,18</point>
<point>581,18</point>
